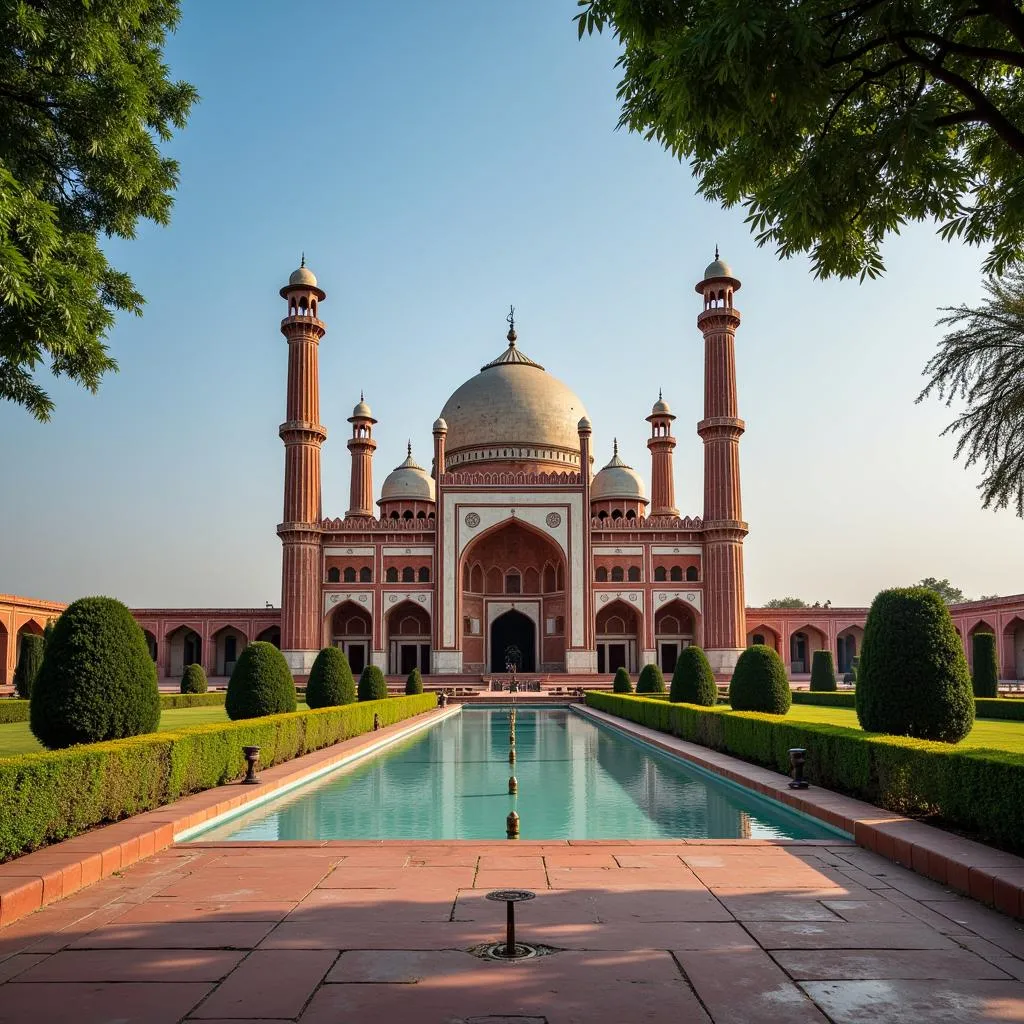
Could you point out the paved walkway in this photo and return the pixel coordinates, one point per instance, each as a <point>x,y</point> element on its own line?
<point>325,933</point>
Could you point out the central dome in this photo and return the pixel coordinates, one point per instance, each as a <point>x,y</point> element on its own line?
<point>513,410</point>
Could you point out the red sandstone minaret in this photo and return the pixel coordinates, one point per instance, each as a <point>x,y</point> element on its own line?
<point>303,436</point>
<point>662,444</point>
<point>585,431</point>
<point>721,429</point>
<point>362,445</point>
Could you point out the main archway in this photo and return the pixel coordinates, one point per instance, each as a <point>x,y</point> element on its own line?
<point>513,643</point>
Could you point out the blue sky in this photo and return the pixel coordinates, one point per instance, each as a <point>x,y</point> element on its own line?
<point>437,162</point>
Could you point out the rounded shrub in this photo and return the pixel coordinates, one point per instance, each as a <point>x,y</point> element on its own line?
<point>985,675</point>
<point>650,680</point>
<point>622,683</point>
<point>261,683</point>
<point>912,679</point>
<point>823,672</point>
<point>30,660</point>
<point>97,681</point>
<point>414,684</point>
<point>372,684</point>
<point>759,682</point>
<point>194,679</point>
<point>693,681</point>
<point>330,680</point>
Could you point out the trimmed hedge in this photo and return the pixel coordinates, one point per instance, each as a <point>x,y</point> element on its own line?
<point>52,796</point>
<point>693,681</point>
<point>261,683</point>
<point>193,679</point>
<point>330,683</point>
<point>823,672</point>
<point>844,699</point>
<point>622,683</point>
<point>414,684</point>
<point>977,791</point>
<point>17,710</point>
<point>913,678</point>
<point>759,682</point>
<point>97,681</point>
<point>372,684</point>
<point>985,675</point>
<point>1005,708</point>
<point>30,660</point>
<point>650,680</point>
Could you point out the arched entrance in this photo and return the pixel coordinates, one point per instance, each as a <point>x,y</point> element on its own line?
<point>618,632</point>
<point>513,642</point>
<point>229,643</point>
<point>185,647</point>
<point>674,629</point>
<point>351,629</point>
<point>848,647</point>
<point>763,634</point>
<point>271,635</point>
<point>1013,643</point>
<point>802,644</point>
<point>408,638</point>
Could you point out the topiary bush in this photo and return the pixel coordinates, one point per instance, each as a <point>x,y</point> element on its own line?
<point>985,675</point>
<point>759,682</point>
<point>414,684</point>
<point>372,684</point>
<point>261,683</point>
<point>650,680</point>
<point>913,678</point>
<point>194,679</point>
<point>823,672</point>
<point>693,681</point>
<point>622,683</point>
<point>330,682</point>
<point>30,660</point>
<point>97,681</point>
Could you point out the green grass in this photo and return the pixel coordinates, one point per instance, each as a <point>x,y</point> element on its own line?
<point>16,738</point>
<point>990,733</point>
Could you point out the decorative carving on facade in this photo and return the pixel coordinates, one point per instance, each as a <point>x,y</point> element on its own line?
<point>511,479</point>
<point>649,523</point>
<point>364,524</point>
<point>472,520</point>
<point>553,519</point>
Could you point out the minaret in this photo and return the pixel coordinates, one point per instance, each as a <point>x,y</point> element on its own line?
<point>362,445</point>
<point>662,444</point>
<point>721,429</point>
<point>303,436</point>
<point>585,431</point>
<point>440,435</point>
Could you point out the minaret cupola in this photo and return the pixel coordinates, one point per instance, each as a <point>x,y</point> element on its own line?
<point>617,492</point>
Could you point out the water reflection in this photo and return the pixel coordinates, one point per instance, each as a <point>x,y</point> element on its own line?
<point>576,780</point>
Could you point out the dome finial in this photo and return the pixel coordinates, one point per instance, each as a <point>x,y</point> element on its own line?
<point>408,448</point>
<point>511,318</point>
<point>659,395</point>
<point>716,250</point>
<point>362,397</point>
<point>615,446</point>
<point>302,262</point>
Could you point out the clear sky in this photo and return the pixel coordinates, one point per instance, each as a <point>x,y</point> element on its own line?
<point>436,162</point>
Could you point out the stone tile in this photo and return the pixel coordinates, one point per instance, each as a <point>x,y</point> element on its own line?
<point>14,965</point>
<point>168,910</point>
<point>550,907</point>
<point>658,861</point>
<point>133,965</point>
<point>746,987</point>
<point>899,1002</point>
<point>177,935</point>
<point>500,862</point>
<point>400,966</point>
<point>616,878</point>
<point>288,883</point>
<point>337,932</point>
<point>841,935</point>
<point>269,984</point>
<point>874,911</point>
<point>640,985</point>
<point>396,878</point>
<point>101,1002</point>
<point>1011,964</point>
<point>377,905</point>
<point>503,878</point>
<point>1000,930</point>
<point>849,965</point>
<point>770,906</point>
<point>683,905</point>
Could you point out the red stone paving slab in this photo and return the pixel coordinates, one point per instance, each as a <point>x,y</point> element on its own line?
<point>175,935</point>
<point>840,935</point>
<point>133,965</point>
<point>569,988</point>
<point>14,965</point>
<point>492,862</point>
<point>746,987</point>
<point>685,905</point>
<point>259,884</point>
<point>100,1002</point>
<point>338,931</point>
<point>504,879</point>
<point>165,910</point>
<point>400,966</point>
<point>415,878</point>
<point>877,911</point>
<point>900,1002</point>
<point>378,904</point>
<point>552,907</point>
<point>1001,931</point>
<point>775,906</point>
<point>844,964</point>
<point>269,984</point>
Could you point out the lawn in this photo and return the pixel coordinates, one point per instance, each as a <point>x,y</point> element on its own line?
<point>17,738</point>
<point>987,732</point>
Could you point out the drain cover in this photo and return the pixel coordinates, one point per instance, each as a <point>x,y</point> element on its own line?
<point>524,951</point>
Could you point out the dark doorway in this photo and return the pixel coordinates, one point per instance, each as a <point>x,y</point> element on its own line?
<point>616,657</point>
<point>513,639</point>
<point>409,657</point>
<point>357,658</point>
<point>669,657</point>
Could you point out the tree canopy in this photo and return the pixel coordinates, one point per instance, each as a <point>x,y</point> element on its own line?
<point>786,602</point>
<point>945,589</point>
<point>85,100</point>
<point>980,362</point>
<point>835,122</point>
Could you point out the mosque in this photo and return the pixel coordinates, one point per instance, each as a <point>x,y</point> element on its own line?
<point>511,550</point>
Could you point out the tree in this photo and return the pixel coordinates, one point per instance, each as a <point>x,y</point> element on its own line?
<point>823,672</point>
<point>414,684</point>
<point>30,660</point>
<point>913,678</point>
<point>693,681</point>
<point>759,682</point>
<point>85,99</point>
<point>372,684</point>
<point>261,683</point>
<point>981,363</point>
<point>786,602</point>
<point>193,679</point>
<point>650,680</point>
<point>945,589</point>
<point>835,123</point>
<point>985,671</point>
<point>622,683</point>
<point>330,681</point>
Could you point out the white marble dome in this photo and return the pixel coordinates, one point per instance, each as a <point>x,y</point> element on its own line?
<point>303,276</point>
<point>617,480</point>
<point>408,482</point>
<point>513,409</point>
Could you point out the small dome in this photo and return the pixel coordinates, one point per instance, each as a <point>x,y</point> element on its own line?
<point>718,268</point>
<point>362,410</point>
<point>408,482</point>
<point>584,424</point>
<point>440,425</point>
<point>303,276</point>
<point>661,407</point>
<point>617,480</point>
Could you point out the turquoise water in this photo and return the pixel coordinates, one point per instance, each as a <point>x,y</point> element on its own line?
<point>577,780</point>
